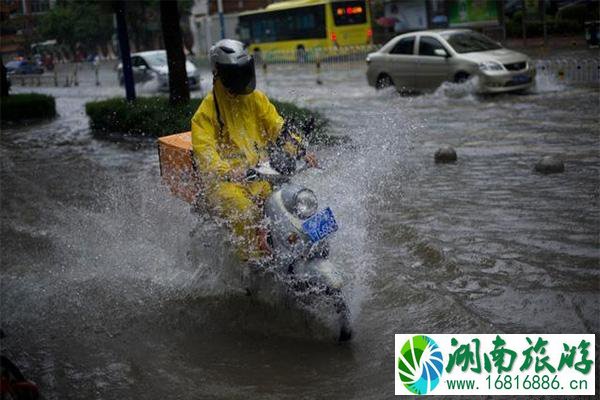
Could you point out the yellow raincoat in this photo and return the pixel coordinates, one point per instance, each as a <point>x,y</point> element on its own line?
<point>247,125</point>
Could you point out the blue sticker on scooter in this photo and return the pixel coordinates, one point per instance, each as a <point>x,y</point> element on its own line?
<point>320,225</point>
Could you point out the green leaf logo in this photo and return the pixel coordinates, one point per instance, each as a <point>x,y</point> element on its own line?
<point>420,364</point>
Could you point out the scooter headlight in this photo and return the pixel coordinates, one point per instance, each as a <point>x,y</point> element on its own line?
<point>305,203</point>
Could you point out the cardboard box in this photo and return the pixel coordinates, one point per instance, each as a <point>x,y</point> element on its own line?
<point>178,167</point>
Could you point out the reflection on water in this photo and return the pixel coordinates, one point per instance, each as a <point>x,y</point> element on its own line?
<point>111,288</point>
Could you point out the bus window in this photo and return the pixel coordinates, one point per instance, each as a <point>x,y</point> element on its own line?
<point>264,29</point>
<point>305,23</point>
<point>243,30</point>
<point>292,24</point>
<point>349,12</point>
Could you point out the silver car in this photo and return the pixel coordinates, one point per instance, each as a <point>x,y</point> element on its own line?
<point>149,65</point>
<point>422,61</point>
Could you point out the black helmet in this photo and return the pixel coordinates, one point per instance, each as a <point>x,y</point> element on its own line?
<point>233,66</point>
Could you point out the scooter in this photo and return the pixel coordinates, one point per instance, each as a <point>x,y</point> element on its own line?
<point>298,235</point>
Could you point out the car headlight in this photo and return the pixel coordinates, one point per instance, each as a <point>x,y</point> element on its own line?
<point>491,66</point>
<point>305,203</point>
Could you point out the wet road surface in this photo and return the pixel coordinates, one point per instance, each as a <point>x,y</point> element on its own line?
<point>111,288</point>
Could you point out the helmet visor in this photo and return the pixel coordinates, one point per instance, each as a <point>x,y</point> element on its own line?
<point>238,78</point>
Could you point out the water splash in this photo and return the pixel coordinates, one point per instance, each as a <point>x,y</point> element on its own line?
<point>152,85</point>
<point>547,82</point>
<point>451,90</point>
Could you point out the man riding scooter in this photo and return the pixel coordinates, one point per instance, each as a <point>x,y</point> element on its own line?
<point>232,131</point>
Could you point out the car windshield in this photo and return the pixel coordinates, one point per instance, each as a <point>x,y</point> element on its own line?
<point>468,42</point>
<point>156,59</point>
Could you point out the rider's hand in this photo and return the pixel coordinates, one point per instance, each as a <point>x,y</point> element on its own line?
<point>311,160</point>
<point>237,174</point>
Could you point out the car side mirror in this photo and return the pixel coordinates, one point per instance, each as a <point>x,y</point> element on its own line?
<point>441,53</point>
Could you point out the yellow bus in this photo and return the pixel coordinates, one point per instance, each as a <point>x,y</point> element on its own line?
<point>304,25</point>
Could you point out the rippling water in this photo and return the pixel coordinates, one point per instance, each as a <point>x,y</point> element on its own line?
<point>111,288</point>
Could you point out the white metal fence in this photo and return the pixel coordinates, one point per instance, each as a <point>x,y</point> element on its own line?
<point>65,75</point>
<point>324,58</point>
<point>570,69</point>
<point>344,59</point>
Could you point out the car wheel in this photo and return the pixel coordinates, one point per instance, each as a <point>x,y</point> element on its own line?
<point>383,81</point>
<point>461,77</point>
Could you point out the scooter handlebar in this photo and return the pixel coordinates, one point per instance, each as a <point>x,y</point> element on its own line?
<point>267,172</point>
<point>251,175</point>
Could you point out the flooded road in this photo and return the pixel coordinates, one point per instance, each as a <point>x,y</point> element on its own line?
<point>111,288</point>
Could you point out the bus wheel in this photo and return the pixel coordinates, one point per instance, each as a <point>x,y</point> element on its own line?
<point>383,81</point>
<point>300,54</point>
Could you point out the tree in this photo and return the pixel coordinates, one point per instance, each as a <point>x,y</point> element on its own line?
<point>179,91</point>
<point>124,53</point>
<point>82,23</point>
<point>143,23</point>
<point>4,85</point>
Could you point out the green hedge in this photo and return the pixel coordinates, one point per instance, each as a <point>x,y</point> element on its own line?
<point>19,107</point>
<point>154,117</point>
<point>146,116</point>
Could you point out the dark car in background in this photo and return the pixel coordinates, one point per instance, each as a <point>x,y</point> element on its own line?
<point>23,67</point>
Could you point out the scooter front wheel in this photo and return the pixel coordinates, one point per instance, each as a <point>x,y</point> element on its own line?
<point>344,320</point>
<point>345,333</point>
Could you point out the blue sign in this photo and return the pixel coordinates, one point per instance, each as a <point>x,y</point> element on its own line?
<point>320,225</point>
